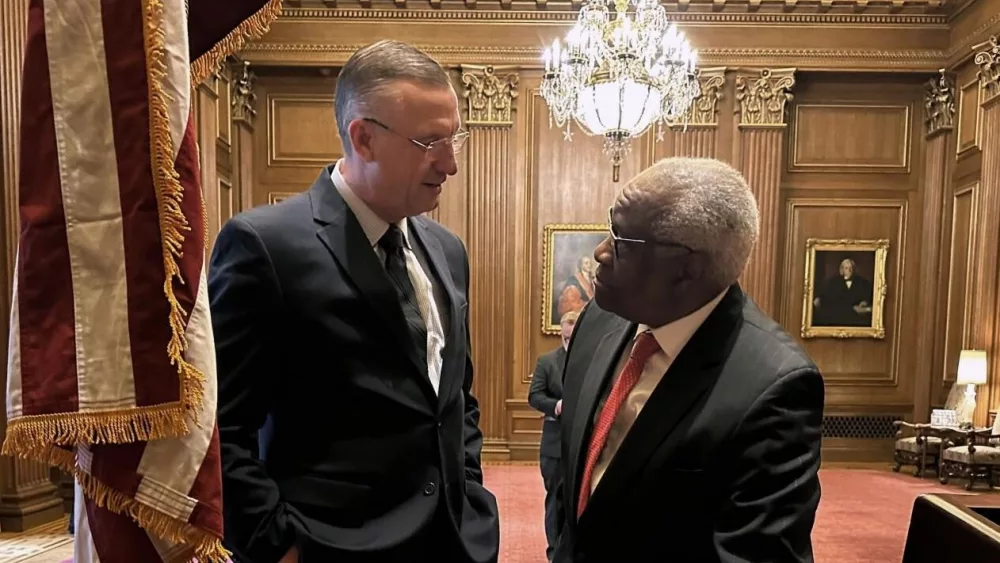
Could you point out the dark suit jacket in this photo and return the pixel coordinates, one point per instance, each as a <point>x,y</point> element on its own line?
<point>544,393</point>
<point>358,451</point>
<point>720,465</point>
<point>837,301</point>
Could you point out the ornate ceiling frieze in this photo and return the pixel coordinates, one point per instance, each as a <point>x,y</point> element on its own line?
<point>318,54</point>
<point>554,14</point>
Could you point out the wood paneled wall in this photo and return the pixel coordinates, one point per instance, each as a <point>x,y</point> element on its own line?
<point>834,140</point>
<point>835,143</point>
<point>837,115</point>
<point>968,286</point>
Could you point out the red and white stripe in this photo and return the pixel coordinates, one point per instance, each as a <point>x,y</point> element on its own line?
<point>89,322</point>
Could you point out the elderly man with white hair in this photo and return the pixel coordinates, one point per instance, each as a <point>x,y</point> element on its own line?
<point>691,421</point>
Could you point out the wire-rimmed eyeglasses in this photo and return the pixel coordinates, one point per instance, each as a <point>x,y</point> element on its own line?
<point>456,141</point>
<point>617,240</point>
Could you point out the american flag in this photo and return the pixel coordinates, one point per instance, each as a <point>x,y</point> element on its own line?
<point>111,362</point>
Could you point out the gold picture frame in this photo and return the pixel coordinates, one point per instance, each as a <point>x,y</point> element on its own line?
<point>566,246</point>
<point>834,307</point>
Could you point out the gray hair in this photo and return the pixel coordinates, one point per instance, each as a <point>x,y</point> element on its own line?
<point>706,205</point>
<point>370,73</point>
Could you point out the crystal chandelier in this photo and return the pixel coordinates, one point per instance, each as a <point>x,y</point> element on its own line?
<point>618,74</point>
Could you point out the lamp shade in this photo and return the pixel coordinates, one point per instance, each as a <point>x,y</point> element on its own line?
<point>971,367</point>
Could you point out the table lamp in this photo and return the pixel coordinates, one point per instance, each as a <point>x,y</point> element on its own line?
<point>971,372</point>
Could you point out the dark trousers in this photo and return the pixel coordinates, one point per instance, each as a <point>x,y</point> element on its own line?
<point>550,477</point>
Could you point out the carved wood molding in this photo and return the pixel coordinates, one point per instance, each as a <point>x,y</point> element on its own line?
<point>900,12</point>
<point>704,112</point>
<point>939,104</point>
<point>989,72</point>
<point>489,95</point>
<point>763,95</point>
<point>962,49</point>
<point>244,104</point>
<point>332,54</point>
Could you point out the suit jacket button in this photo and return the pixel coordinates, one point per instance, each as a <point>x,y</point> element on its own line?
<point>429,489</point>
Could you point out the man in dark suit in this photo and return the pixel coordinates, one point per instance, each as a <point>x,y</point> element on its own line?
<point>545,395</point>
<point>691,421</point>
<point>341,324</point>
<point>844,299</point>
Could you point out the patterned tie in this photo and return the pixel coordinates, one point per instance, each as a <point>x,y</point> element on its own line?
<point>644,347</point>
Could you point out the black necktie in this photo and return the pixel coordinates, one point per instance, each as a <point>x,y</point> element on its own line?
<point>395,265</point>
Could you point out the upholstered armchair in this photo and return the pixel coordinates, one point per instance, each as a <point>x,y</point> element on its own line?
<point>915,446</point>
<point>972,454</point>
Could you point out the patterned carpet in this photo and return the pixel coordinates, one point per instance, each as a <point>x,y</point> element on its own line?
<point>862,518</point>
<point>45,544</point>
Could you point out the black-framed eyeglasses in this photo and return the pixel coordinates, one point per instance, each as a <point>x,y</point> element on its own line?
<point>617,240</point>
<point>456,141</point>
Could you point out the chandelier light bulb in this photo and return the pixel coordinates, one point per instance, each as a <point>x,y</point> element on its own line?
<point>619,70</point>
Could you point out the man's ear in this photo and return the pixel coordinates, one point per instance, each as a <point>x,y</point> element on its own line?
<point>360,133</point>
<point>694,267</point>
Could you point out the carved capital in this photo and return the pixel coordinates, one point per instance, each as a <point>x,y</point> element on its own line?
<point>762,97</point>
<point>989,71</point>
<point>939,104</point>
<point>704,109</point>
<point>490,95</point>
<point>244,99</point>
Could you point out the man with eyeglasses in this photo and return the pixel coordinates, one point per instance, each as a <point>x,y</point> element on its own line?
<point>691,421</point>
<point>348,428</point>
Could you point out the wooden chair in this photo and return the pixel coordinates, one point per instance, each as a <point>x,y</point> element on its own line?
<point>972,454</point>
<point>921,449</point>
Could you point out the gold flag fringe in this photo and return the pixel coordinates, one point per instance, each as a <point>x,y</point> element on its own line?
<point>254,27</point>
<point>169,195</point>
<point>39,437</point>
<point>31,434</point>
<point>207,548</point>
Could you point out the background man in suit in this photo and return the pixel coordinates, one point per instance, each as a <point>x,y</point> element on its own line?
<point>341,321</point>
<point>691,421</point>
<point>545,395</point>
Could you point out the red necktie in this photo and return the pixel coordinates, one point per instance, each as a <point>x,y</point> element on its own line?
<point>645,346</point>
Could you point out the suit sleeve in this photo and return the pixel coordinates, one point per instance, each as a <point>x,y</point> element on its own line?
<point>772,504</point>
<point>538,396</point>
<point>244,296</point>
<point>473,434</point>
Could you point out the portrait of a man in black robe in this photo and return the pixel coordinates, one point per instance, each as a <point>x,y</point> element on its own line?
<point>844,298</point>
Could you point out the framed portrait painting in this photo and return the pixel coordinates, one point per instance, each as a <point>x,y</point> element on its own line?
<point>845,286</point>
<point>569,268</point>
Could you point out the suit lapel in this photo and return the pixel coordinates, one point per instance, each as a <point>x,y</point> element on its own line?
<point>557,371</point>
<point>452,369</point>
<point>600,372</point>
<point>690,376</point>
<point>341,233</point>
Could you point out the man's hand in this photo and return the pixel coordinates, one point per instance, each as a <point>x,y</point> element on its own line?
<point>291,557</point>
<point>559,407</point>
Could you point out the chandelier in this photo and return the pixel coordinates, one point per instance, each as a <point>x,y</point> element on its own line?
<point>619,73</point>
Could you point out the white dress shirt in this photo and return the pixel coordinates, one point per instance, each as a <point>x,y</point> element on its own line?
<point>374,227</point>
<point>672,338</point>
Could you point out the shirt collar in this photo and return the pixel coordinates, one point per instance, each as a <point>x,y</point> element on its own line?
<point>373,225</point>
<point>674,335</point>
